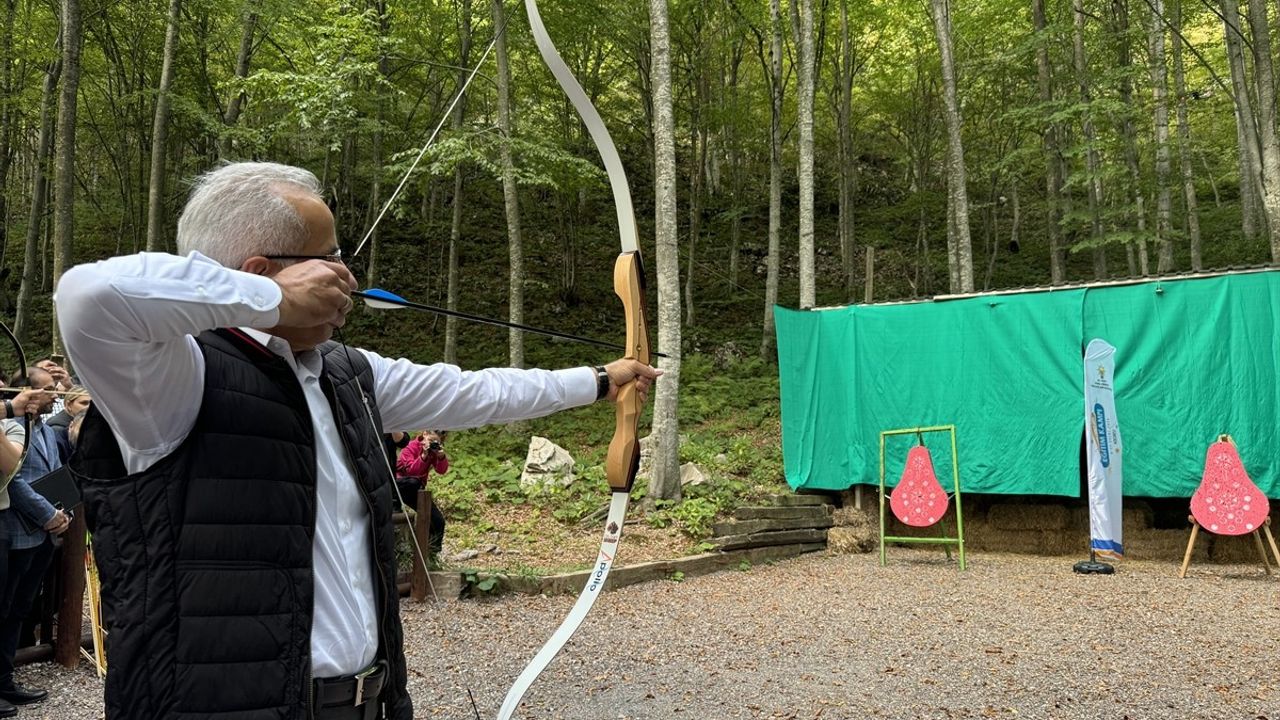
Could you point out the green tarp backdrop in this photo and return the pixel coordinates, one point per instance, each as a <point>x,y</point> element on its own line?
<point>1195,358</point>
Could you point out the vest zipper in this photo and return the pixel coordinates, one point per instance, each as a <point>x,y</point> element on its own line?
<point>311,570</point>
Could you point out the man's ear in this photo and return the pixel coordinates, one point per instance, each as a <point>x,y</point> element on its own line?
<point>257,265</point>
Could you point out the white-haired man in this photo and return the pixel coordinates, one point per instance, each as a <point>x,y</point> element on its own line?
<point>232,463</point>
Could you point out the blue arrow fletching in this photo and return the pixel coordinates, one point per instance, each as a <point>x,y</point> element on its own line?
<point>382,299</point>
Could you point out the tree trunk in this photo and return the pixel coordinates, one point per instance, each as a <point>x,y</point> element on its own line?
<point>374,271</point>
<point>243,59</point>
<point>39,200</point>
<point>734,150</point>
<point>697,163</point>
<point>455,227</point>
<point>1208,174</point>
<point>1120,8</point>
<point>804,118</point>
<point>8,119</point>
<point>767,339</point>
<point>1052,153</point>
<point>1246,129</point>
<point>65,169</point>
<point>957,190</point>
<point>664,478</point>
<point>1184,140</point>
<point>1264,79</point>
<point>1092,164</point>
<point>1160,100</point>
<point>847,68</point>
<point>510,198</point>
<point>160,135</point>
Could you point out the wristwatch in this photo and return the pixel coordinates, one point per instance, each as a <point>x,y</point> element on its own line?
<point>8,409</point>
<point>602,382</point>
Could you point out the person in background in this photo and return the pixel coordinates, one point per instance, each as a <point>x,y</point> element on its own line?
<point>74,403</point>
<point>73,429</point>
<point>12,410</point>
<point>26,548</point>
<point>419,458</point>
<point>61,378</point>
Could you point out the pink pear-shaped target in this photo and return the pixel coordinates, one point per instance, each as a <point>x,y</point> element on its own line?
<point>1227,502</point>
<point>919,499</point>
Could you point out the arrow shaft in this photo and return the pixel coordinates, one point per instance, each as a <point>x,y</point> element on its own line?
<point>488,321</point>
<point>20,390</point>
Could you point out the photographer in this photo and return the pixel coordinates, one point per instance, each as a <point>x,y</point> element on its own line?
<point>420,457</point>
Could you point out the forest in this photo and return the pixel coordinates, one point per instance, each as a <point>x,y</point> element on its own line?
<point>969,146</point>
<point>799,152</point>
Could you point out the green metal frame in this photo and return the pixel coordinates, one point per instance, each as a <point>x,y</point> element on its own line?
<point>946,542</point>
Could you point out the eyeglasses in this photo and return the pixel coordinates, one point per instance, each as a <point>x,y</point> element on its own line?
<point>333,257</point>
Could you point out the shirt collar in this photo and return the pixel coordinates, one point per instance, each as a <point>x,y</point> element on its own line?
<point>308,361</point>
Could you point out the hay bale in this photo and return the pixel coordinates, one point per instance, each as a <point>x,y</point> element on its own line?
<point>1137,515</point>
<point>1066,542</point>
<point>855,531</point>
<point>1016,541</point>
<point>1028,517</point>
<point>849,540</point>
<point>849,516</point>
<point>1078,517</point>
<point>1229,549</point>
<point>1163,545</point>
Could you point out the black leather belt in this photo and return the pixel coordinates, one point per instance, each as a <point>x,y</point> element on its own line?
<point>354,697</point>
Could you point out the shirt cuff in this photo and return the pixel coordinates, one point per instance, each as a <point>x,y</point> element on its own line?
<point>579,385</point>
<point>261,294</point>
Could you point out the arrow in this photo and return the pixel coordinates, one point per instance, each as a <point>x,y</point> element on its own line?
<point>380,299</point>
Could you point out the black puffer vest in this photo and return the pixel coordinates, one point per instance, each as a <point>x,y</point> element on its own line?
<point>205,557</point>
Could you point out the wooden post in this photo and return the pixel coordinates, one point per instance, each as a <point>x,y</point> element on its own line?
<point>1262,551</point>
<point>1191,544</point>
<point>420,587</point>
<point>870,280</point>
<point>1266,528</point>
<point>868,293</point>
<point>66,645</point>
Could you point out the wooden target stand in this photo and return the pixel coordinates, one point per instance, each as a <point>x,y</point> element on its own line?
<point>944,541</point>
<point>1229,503</point>
<point>1257,539</point>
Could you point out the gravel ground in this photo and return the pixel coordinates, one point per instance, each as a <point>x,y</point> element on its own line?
<point>835,636</point>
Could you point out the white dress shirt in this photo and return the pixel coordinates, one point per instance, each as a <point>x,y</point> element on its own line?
<point>129,325</point>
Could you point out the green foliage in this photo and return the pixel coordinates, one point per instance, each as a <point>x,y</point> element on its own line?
<point>694,516</point>
<point>329,94</point>
<point>479,584</point>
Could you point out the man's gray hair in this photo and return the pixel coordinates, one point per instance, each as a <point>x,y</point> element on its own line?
<point>239,210</point>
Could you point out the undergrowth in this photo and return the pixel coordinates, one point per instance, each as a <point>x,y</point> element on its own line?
<point>729,427</point>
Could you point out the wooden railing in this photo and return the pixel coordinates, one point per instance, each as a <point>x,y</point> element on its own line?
<point>415,583</point>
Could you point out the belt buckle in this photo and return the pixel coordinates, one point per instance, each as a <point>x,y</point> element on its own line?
<point>360,678</point>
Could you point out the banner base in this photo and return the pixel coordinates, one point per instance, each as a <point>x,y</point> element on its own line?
<point>1093,567</point>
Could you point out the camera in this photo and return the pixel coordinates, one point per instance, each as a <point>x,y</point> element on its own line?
<point>434,446</point>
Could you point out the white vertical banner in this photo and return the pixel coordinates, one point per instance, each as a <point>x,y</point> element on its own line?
<point>1106,482</point>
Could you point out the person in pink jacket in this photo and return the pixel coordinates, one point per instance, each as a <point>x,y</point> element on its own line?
<point>422,456</point>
